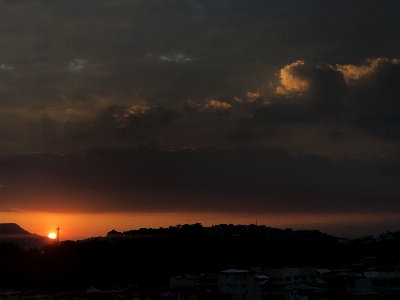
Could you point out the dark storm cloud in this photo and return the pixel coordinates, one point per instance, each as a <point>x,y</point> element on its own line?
<point>243,137</point>
<point>113,125</point>
<point>191,107</point>
<point>365,96</point>
<point>306,93</point>
<point>48,126</point>
<point>376,98</point>
<point>75,75</point>
<point>206,179</point>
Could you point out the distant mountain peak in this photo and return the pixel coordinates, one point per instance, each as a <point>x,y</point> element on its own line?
<point>12,232</point>
<point>12,228</point>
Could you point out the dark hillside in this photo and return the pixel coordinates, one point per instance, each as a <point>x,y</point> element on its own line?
<point>152,255</point>
<point>11,232</point>
<point>11,228</point>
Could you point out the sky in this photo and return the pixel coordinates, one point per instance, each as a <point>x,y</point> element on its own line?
<point>128,114</point>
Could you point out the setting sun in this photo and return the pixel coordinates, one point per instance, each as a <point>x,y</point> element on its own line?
<point>52,235</point>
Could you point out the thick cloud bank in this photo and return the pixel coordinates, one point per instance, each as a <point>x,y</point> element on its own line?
<point>300,75</point>
<point>207,179</point>
<point>302,99</point>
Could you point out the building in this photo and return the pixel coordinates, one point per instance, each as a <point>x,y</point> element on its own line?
<point>241,284</point>
<point>293,275</point>
<point>9,295</point>
<point>201,282</point>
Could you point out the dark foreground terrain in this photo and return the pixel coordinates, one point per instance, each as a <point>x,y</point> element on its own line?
<point>153,255</point>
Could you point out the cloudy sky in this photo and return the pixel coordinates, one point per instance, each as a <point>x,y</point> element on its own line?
<point>170,111</point>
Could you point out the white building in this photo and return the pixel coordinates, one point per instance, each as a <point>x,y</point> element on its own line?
<point>293,275</point>
<point>239,284</point>
<point>382,272</point>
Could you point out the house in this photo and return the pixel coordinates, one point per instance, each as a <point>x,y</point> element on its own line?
<point>241,284</point>
<point>293,275</point>
<point>9,295</point>
<point>201,282</point>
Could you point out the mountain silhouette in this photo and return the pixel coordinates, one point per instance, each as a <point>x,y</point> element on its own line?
<point>11,232</point>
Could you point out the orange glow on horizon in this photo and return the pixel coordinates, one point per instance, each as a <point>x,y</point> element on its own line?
<point>80,226</point>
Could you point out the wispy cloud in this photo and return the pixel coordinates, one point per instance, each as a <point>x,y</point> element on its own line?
<point>218,106</point>
<point>251,97</point>
<point>6,67</point>
<point>352,73</point>
<point>77,65</point>
<point>136,110</point>
<point>177,58</point>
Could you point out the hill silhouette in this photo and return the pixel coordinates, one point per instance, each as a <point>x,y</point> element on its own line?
<point>150,256</point>
<point>11,232</point>
<point>11,228</point>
